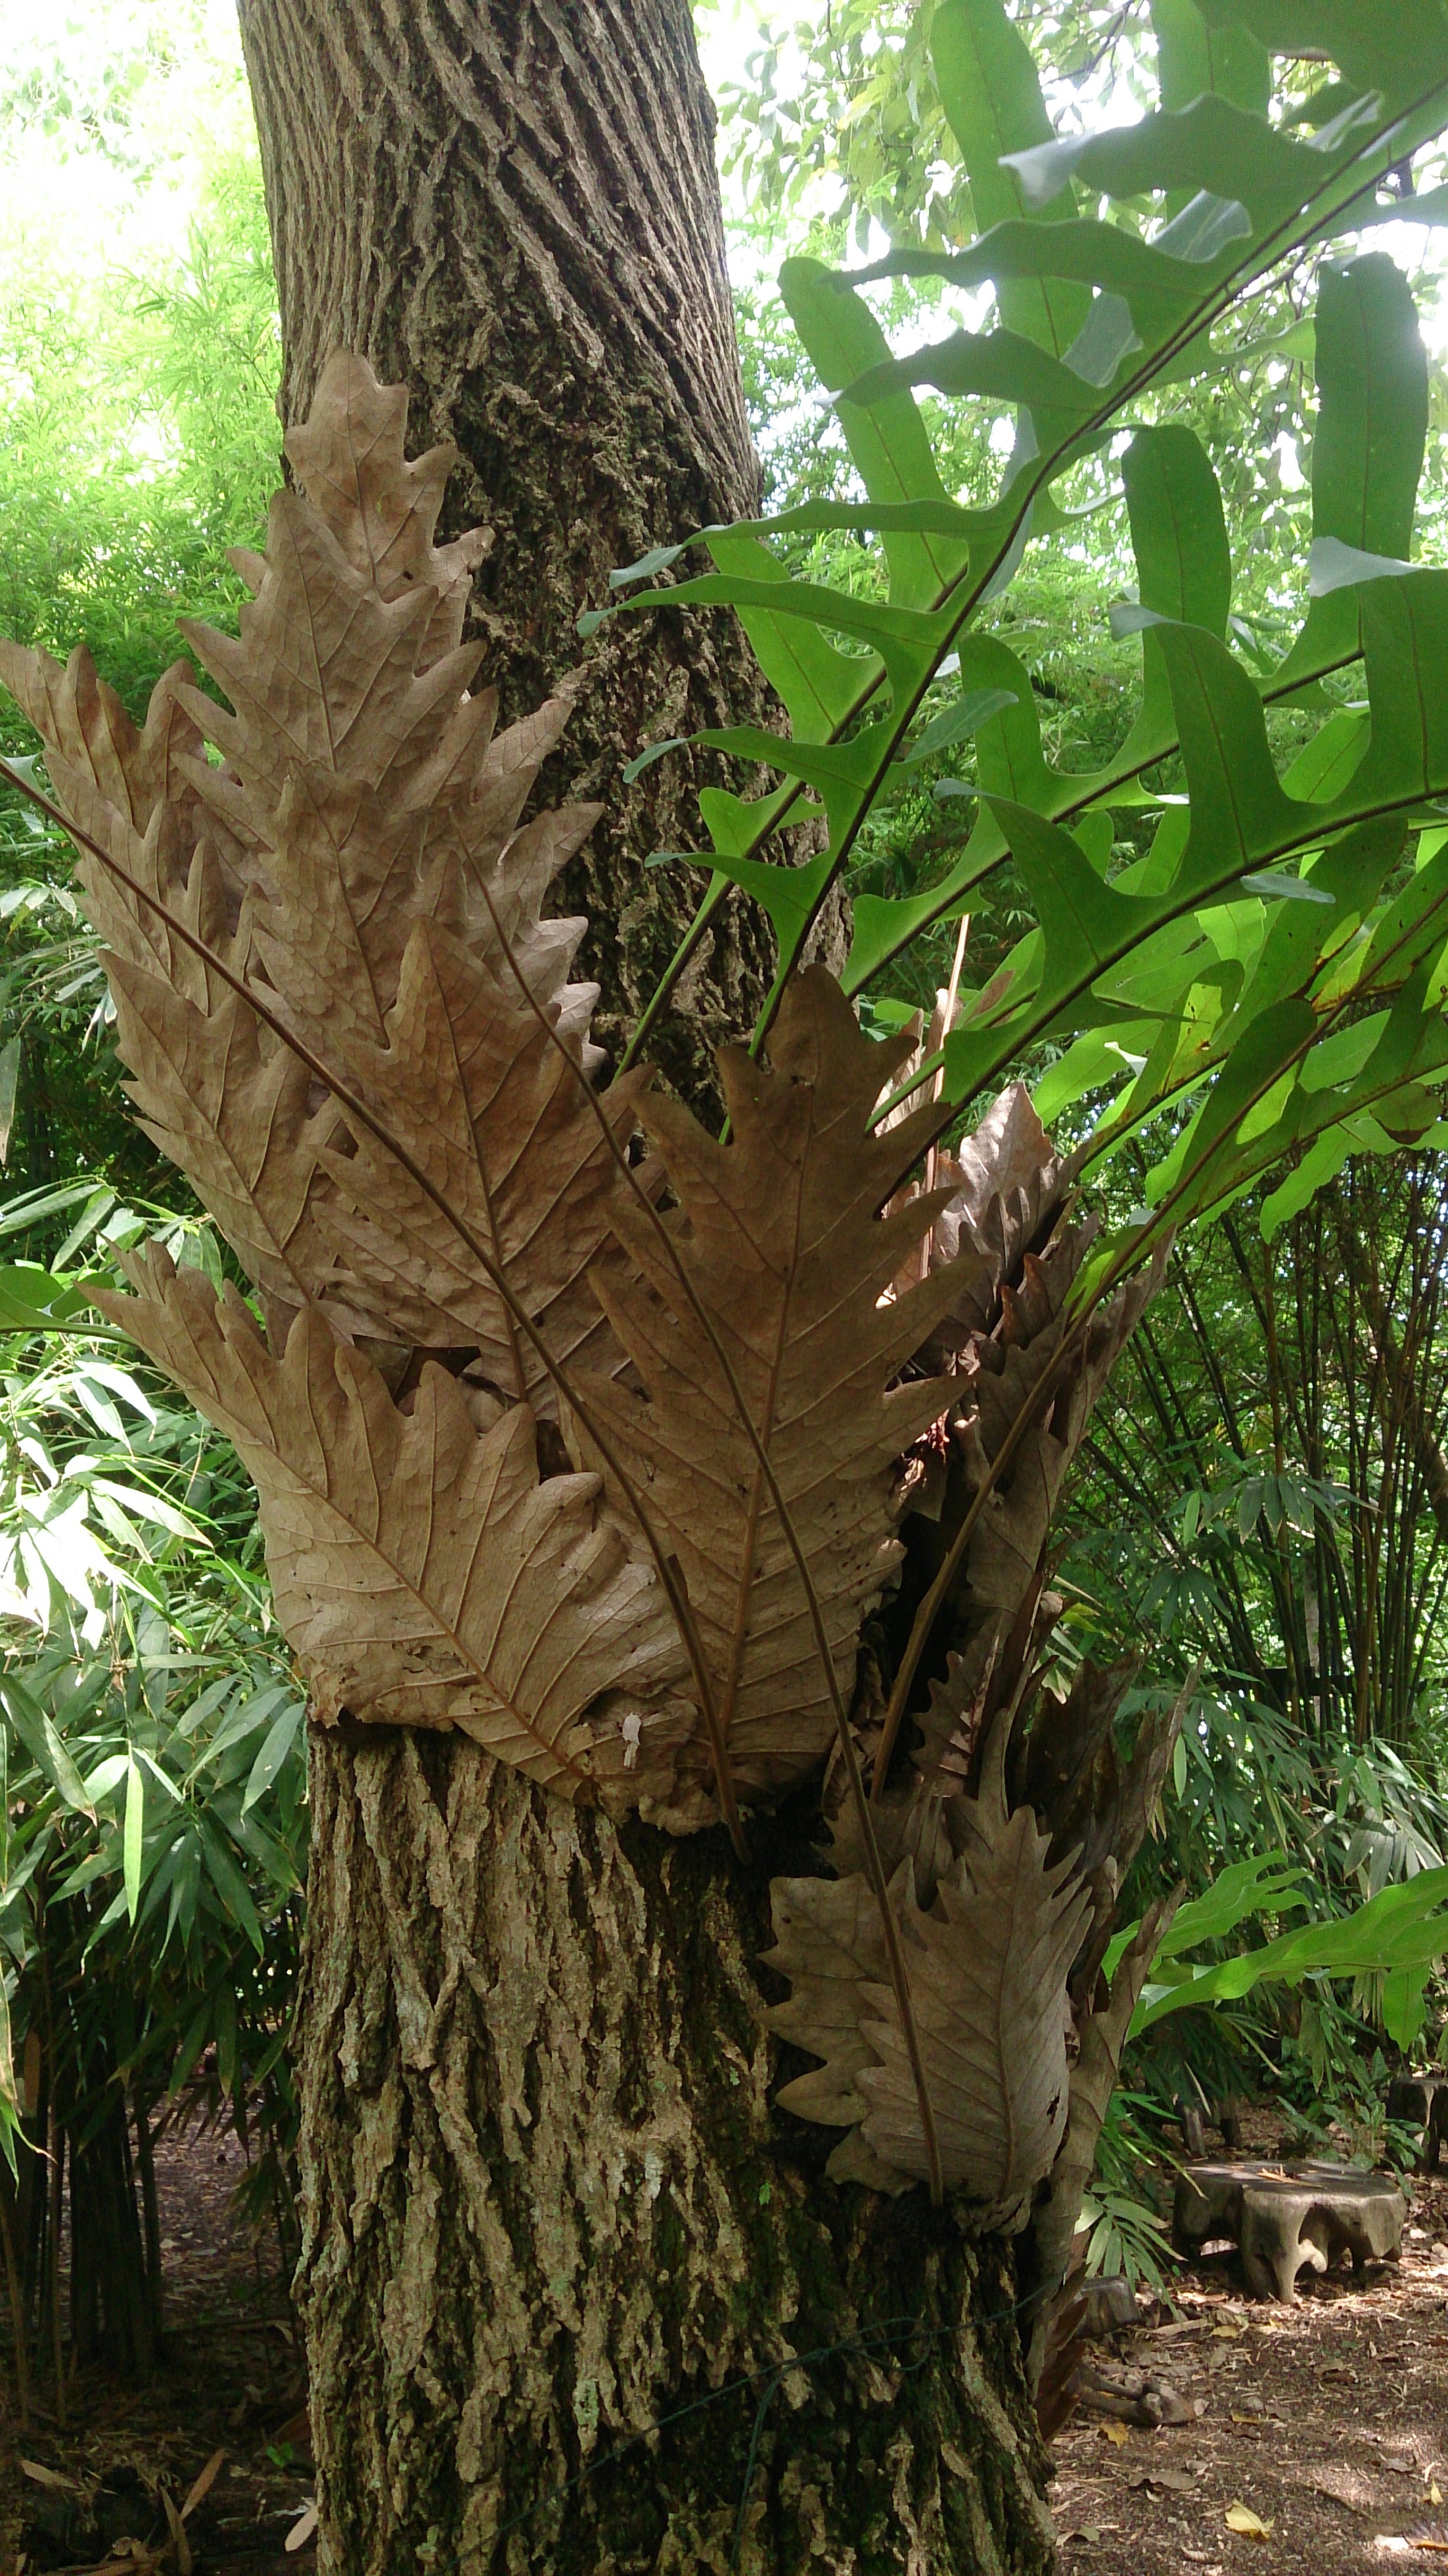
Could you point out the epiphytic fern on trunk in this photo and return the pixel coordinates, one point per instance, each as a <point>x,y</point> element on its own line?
<point>573,1426</point>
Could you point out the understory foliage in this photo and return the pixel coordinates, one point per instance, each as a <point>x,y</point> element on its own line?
<point>152,1832</point>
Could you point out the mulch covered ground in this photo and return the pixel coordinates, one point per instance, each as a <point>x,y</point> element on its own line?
<point>1325,2424</point>
<point>232,2384</point>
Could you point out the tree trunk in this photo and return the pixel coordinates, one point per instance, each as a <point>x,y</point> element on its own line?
<point>510,206</point>
<point>547,2202</point>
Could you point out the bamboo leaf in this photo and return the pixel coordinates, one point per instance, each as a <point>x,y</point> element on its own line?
<point>132,1836</point>
<point>37,1731</point>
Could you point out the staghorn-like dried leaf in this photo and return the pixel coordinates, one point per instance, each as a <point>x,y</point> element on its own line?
<point>779,1236</point>
<point>89,736</point>
<point>235,1109</point>
<point>1093,2080</point>
<point>350,460</point>
<point>1065,1763</point>
<point>830,1943</point>
<point>423,1573</point>
<point>358,847</point>
<point>483,1088</point>
<point>1007,1188</point>
<point>1030,1364</point>
<point>987,1968</point>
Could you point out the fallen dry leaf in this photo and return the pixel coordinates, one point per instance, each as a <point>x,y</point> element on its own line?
<point>1348,2487</point>
<point>1113,2432</point>
<point>202,2485</point>
<point>179,2541</point>
<point>303,2529</point>
<point>1240,2517</point>
<point>1175,2481</point>
<point>51,2478</point>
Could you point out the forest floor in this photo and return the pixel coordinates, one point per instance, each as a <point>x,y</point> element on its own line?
<point>1324,2424</point>
<point>231,2384</point>
<point>1327,2422</point>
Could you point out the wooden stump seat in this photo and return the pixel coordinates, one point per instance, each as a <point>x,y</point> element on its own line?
<point>1287,2218</point>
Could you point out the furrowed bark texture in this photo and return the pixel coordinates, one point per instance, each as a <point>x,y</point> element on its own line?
<point>549,2203</point>
<point>510,206</point>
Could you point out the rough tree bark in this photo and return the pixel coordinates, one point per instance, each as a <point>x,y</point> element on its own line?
<point>547,2200</point>
<point>510,207</point>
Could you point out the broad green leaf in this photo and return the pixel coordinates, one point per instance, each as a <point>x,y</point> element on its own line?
<point>1405,638</point>
<point>1264,1883</point>
<point>1211,145</point>
<point>1404,2009</point>
<point>1372,421</point>
<point>1400,1930</point>
<point>1193,56</point>
<point>1000,366</point>
<point>888,444</point>
<point>908,642</point>
<point>1178,528</point>
<point>1183,561</point>
<point>1157,285</point>
<point>992,98</point>
<point>35,1300</point>
<point>1365,37</point>
<point>817,684</point>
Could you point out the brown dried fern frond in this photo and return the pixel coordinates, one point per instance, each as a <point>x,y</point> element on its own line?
<point>423,1573</point>
<point>987,1966</point>
<point>358,849</point>
<point>778,1237</point>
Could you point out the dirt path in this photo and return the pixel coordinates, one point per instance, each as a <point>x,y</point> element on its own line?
<point>1327,2421</point>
